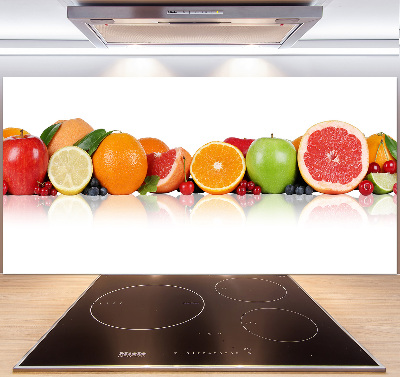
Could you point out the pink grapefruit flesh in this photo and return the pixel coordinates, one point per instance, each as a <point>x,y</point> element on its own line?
<point>169,167</point>
<point>333,157</point>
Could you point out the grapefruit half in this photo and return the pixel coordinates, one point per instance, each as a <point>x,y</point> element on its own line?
<point>333,157</point>
<point>169,167</point>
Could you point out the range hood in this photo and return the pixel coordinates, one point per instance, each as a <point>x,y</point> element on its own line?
<point>123,25</point>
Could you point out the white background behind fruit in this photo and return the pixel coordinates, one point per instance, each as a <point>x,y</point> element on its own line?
<point>189,112</point>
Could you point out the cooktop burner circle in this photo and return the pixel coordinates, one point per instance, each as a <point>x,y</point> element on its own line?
<point>147,307</point>
<point>251,289</point>
<point>279,325</point>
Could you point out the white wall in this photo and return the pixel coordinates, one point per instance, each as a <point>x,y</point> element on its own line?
<point>198,66</point>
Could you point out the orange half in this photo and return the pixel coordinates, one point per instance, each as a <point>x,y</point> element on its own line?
<point>218,167</point>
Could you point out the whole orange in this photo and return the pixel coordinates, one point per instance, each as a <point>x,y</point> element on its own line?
<point>13,131</point>
<point>120,164</point>
<point>153,145</point>
<point>69,133</point>
<point>378,151</point>
<point>296,142</point>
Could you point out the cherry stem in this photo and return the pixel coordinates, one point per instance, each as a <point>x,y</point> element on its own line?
<point>184,167</point>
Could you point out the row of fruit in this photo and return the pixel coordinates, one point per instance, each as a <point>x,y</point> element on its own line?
<point>70,157</point>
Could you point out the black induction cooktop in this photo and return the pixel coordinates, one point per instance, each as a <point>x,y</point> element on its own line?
<point>203,322</point>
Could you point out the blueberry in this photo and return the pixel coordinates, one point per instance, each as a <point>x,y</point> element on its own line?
<point>94,182</point>
<point>93,191</point>
<point>103,191</point>
<point>300,190</point>
<point>289,190</point>
<point>86,190</point>
<point>309,190</point>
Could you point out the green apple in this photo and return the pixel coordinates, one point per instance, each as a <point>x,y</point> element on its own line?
<point>271,164</point>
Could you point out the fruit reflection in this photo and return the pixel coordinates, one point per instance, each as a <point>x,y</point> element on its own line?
<point>120,211</point>
<point>326,210</point>
<point>272,210</point>
<point>215,210</point>
<point>70,210</point>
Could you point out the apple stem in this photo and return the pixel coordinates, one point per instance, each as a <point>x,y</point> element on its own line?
<point>272,136</point>
<point>184,167</point>
<point>22,134</point>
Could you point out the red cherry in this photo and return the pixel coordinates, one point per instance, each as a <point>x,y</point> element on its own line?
<point>241,191</point>
<point>366,187</point>
<point>390,167</point>
<point>257,190</point>
<point>5,187</point>
<point>395,188</point>
<point>374,168</point>
<point>186,188</point>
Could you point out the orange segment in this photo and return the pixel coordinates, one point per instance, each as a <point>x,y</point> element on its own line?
<point>218,167</point>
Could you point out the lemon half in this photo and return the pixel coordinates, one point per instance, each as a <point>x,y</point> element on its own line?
<point>70,170</point>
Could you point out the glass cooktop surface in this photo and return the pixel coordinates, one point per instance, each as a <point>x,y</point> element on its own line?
<point>202,322</point>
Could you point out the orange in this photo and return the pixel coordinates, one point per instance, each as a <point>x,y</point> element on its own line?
<point>218,167</point>
<point>120,164</point>
<point>12,131</point>
<point>69,133</point>
<point>296,142</point>
<point>153,145</point>
<point>378,151</point>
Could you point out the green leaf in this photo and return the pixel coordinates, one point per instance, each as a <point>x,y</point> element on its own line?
<point>391,146</point>
<point>49,132</point>
<point>91,141</point>
<point>149,185</point>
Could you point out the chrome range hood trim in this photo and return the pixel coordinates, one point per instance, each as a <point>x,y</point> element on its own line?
<point>85,18</point>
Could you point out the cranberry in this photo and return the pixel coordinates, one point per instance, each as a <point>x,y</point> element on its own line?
<point>257,190</point>
<point>366,187</point>
<point>241,191</point>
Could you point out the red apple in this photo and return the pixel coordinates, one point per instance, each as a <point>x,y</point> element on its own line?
<point>242,144</point>
<point>25,161</point>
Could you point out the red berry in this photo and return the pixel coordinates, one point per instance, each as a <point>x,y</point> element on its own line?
<point>374,168</point>
<point>53,192</point>
<point>243,183</point>
<point>5,187</point>
<point>186,188</point>
<point>36,190</point>
<point>48,185</point>
<point>390,167</point>
<point>366,187</point>
<point>395,188</point>
<point>39,184</point>
<point>44,191</point>
<point>257,190</point>
<point>241,191</point>
<point>250,185</point>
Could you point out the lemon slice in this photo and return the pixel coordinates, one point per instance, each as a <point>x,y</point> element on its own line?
<point>383,182</point>
<point>70,170</point>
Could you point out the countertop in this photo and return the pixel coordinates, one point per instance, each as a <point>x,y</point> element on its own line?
<point>368,307</point>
